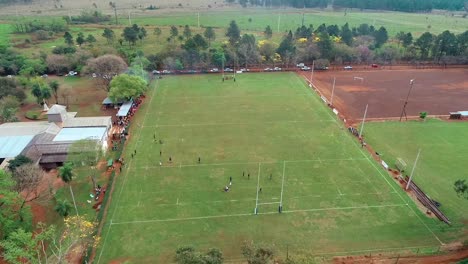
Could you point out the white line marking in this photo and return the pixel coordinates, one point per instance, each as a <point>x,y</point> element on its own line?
<point>236,124</point>
<point>240,215</point>
<point>125,177</point>
<point>177,203</point>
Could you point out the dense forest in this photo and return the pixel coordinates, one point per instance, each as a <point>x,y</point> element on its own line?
<point>393,5</point>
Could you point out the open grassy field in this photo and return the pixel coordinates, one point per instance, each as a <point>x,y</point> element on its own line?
<point>5,30</point>
<point>291,19</point>
<point>259,130</point>
<point>444,150</point>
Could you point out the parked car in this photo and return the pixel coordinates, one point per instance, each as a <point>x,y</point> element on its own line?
<point>214,70</point>
<point>244,70</point>
<point>228,70</point>
<point>45,76</point>
<point>166,72</point>
<point>94,75</point>
<point>348,67</point>
<point>268,69</point>
<point>277,69</point>
<point>373,65</point>
<point>300,65</point>
<point>306,68</point>
<point>72,73</point>
<point>156,72</point>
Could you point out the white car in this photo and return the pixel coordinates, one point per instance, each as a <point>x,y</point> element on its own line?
<point>268,69</point>
<point>348,67</point>
<point>228,70</point>
<point>166,72</point>
<point>300,65</point>
<point>277,69</point>
<point>214,70</point>
<point>244,70</point>
<point>306,68</point>
<point>156,72</point>
<point>72,73</point>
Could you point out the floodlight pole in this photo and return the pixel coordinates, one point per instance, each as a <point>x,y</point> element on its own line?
<point>333,91</point>
<point>312,72</point>
<point>363,121</point>
<point>129,18</point>
<point>198,19</point>
<point>280,209</point>
<point>403,111</point>
<point>412,171</point>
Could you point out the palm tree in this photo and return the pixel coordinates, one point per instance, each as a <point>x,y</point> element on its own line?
<point>63,207</point>
<point>66,173</point>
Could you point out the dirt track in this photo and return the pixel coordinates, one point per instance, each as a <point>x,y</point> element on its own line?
<point>436,91</point>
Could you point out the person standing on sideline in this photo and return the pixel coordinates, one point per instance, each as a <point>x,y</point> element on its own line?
<point>199,160</point>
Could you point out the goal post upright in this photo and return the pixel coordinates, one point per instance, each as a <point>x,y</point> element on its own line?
<point>280,208</point>
<point>258,188</point>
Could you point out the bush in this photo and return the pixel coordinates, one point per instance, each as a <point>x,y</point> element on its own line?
<point>42,35</point>
<point>34,115</point>
<point>89,17</point>
<point>63,50</point>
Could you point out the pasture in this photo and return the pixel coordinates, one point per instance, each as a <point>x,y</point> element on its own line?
<point>267,131</point>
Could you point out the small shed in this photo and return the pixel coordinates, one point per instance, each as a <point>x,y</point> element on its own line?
<point>125,109</point>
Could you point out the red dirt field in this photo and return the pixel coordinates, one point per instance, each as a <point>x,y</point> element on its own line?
<point>436,91</point>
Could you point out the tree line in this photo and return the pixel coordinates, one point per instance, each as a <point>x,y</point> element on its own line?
<point>392,5</point>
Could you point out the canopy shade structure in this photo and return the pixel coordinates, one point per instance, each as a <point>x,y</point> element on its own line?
<point>125,108</point>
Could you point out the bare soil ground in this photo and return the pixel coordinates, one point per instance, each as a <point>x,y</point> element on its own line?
<point>436,91</point>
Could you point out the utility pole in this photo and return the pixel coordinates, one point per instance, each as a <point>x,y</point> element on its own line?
<point>363,121</point>
<point>302,19</point>
<point>333,91</point>
<point>129,18</point>
<point>403,111</point>
<point>198,19</point>
<point>412,171</point>
<point>312,72</point>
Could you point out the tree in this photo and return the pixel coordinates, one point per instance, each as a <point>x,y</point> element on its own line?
<point>40,89</point>
<point>63,208</point>
<point>188,255</point>
<point>187,32</point>
<point>268,32</point>
<point>109,35</point>
<point>125,87</point>
<point>233,33</point>
<point>113,5</point>
<point>424,43</point>
<point>12,214</point>
<point>8,107</point>
<point>9,86</point>
<point>28,178</point>
<point>423,115</point>
<point>461,188</point>
<point>445,44</point>
<point>346,35</point>
<point>400,36</point>
<point>106,67</point>
<point>255,254</point>
<point>90,39</point>
<point>408,39</point>
<point>287,45</point>
<point>22,246</point>
<point>325,45</point>
<point>142,33</point>
<point>66,173</point>
<point>248,51</point>
<point>58,63</point>
<point>130,35</point>
<point>55,86</point>
<point>80,39</point>
<point>381,36</point>
<point>18,161</point>
<point>68,38</point>
<point>157,32</point>
<point>210,35</point>
<point>267,50</point>
<point>174,31</point>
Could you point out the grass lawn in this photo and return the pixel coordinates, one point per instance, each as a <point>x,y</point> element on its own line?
<point>292,18</point>
<point>5,30</point>
<point>444,150</point>
<point>258,130</point>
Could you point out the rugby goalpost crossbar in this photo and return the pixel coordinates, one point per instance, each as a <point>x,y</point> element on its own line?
<point>280,206</point>
<point>359,78</point>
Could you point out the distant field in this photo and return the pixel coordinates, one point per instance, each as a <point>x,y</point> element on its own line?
<point>291,19</point>
<point>444,151</point>
<point>5,30</point>
<point>257,130</point>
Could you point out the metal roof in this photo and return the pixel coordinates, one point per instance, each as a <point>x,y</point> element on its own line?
<point>102,121</point>
<point>25,128</point>
<point>57,109</point>
<point>74,134</point>
<point>125,108</point>
<point>11,146</point>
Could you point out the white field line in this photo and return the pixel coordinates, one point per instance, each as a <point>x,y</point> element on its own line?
<point>383,176</point>
<point>252,214</point>
<point>233,96</point>
<point>346,253</point>
<point>246,163</point>
<point>239,123</point>
<point>125,178</point>
<point>178,203</point>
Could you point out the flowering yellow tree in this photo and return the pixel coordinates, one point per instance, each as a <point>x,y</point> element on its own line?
<point>302,40</point>
<point>77,235</point>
